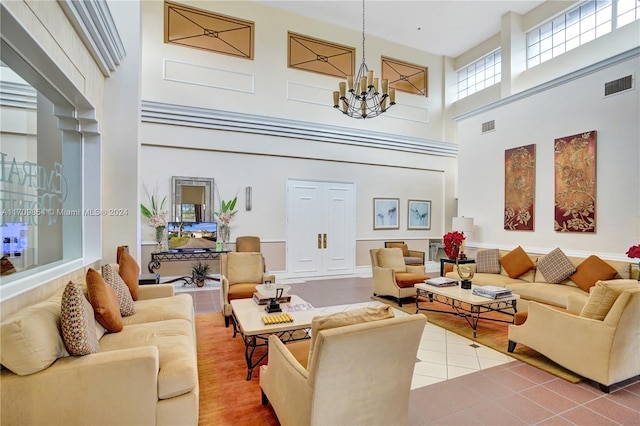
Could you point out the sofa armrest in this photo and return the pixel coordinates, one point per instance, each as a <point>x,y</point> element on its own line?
<point>155,291</point>
<point>268,278</point>
<point>85,390</point>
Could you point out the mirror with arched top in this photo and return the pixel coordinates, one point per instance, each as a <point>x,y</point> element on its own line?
<point>192,199</point>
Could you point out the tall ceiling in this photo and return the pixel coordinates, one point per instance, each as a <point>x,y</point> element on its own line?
<point>442,27</point>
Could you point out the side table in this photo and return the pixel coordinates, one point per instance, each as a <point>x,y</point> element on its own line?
<point>447,260</point>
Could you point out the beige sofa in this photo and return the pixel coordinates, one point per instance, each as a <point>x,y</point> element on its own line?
<point>532,285</point>
<point>146,374</point>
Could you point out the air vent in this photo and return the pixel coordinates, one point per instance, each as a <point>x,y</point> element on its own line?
<point>488,126</point>
<point>619,85</point>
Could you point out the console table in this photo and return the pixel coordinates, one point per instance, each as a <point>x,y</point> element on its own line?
<point>178,256</point>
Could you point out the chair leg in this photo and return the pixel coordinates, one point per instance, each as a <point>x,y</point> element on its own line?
<point>226,321</point>
<point>512,346</point>
<point>604,388</point>
<point>265,400</point>
<point>399,300</point>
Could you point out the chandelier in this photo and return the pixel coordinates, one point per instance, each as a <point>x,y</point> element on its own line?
<point>360,98</point>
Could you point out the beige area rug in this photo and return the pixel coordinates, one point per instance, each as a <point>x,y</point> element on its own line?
<point>490,333</point>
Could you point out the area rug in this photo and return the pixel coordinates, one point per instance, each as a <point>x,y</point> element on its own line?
<point>226,397</point>
<point>489,333</point>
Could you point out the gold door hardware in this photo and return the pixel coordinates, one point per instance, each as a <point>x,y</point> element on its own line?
<point>319,241</point>
<point>324,240</point>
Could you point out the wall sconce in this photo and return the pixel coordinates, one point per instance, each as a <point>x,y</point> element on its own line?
<point>247,195</point>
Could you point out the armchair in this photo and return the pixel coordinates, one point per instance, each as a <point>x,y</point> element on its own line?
<point>358,374</point>
<point>248,244</point>
<point>241,273</point>
<point>411,257</point>
<point>601,343</point>
<point>391,277</point>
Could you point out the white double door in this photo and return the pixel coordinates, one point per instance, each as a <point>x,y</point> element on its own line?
<point>320,228</point>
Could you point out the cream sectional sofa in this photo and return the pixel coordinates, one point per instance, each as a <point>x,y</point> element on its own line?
<point>146,374</point>
<point>532,285</point>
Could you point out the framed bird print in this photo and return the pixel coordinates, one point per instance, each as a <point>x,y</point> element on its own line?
<point>419,214</point>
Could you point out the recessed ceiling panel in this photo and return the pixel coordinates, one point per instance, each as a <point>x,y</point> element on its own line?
<point>405,77</point>
<point>201,29</point>
<point>324,57</point>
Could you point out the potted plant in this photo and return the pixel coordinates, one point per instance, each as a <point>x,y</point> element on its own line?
<point>199,272</point>
<point>452,242</point>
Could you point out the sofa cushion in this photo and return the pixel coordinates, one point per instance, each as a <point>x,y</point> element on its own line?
<point>391,258</point>
<point>603,296</point>
<point>516,262</point>
<point>241,291</point>
<point>129,270</point>
<point>104,301</point>
<point>397,244</point>
<point>592,270</point>
<point>488,261</point>
<point>77,322</point>
<point>547,293</point>
<point>244,268</point>
<point>178,371</point>
<point>406,279</point>
<point>179,306</point>
<point>556,266</point>
<point>125,300</point>
<point>31,339</point>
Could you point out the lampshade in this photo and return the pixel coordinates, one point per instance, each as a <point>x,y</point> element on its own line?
<point>463,224</point>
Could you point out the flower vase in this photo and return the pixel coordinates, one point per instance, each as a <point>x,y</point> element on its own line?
<point>453,253</point>
<point>224,233</point>
<point>161,238</point>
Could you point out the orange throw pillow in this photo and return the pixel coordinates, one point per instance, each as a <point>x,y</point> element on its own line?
<point>592,270</point>
<point>516,262</point>
<point>104,300</point>
<point>129,272</point>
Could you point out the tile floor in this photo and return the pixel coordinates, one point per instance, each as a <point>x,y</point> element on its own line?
<point>457,382</point>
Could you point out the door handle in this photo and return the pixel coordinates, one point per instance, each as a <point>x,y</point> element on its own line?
<point>325,240</point>
<point>319,241</point>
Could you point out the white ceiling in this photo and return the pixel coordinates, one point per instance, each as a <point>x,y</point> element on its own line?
<point>442,27</point>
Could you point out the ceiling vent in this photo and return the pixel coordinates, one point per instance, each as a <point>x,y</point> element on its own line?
<point>619,85</point>
<point>488,126</point>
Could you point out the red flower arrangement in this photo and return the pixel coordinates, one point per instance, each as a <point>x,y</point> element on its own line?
<point>452,242</point>
<point>634,251</point>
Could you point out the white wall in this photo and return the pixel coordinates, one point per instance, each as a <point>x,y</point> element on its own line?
<point>572,107</point>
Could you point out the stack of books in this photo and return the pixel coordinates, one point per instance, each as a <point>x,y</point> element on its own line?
<point>492,291</point>
<point>441,282</point>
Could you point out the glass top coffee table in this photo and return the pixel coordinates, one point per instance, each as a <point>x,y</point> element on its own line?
<point>466,304</point>
<point>247,320</point>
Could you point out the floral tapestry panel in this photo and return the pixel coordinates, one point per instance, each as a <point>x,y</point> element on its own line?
<point>519,188</point>
<point>575,181</point>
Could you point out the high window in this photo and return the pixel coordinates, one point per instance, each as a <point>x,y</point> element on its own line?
<point>580,25</point>
<point>479,75</point>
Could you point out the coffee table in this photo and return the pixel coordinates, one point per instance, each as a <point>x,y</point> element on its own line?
<point>247,320</point>
<point>466,304</point>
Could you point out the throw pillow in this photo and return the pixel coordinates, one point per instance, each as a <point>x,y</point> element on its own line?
<point>244,268</point>
<point>391,258</point>
<point>516,262</point>
<point>395,244</point>
<point>129,272</point>
<point>119,251</point>
<point>488,261</point>
<point>104,301</point>
<point>77,323</point>
<point>114,280</point>
<point>603,296</point>
<point>556,267</point>
<point>592,270</point>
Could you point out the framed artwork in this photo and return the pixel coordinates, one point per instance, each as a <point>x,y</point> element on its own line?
<point>519,188</point>
<point>419,214</point>
<point>320,56</point>
<point>575,183</point>
<point>385,213</point>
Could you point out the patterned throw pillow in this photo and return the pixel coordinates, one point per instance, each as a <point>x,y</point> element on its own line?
<point>517,262</point>
<point>127,307</point>
<point>556,267</point>
<point>592,270</point>
<point>77,323</point>
<point>488,261</point>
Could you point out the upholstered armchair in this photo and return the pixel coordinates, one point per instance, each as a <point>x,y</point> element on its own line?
<point>411,257</point>
<point>357,374</point>
<point>391,277</point>
<point>241,273</point>
<point>601,342</point>
<point>248,244</point>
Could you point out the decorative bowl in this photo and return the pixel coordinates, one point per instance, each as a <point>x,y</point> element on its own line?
<point>269,289</point>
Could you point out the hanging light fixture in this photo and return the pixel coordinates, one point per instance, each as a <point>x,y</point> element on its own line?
<point>363,99</point>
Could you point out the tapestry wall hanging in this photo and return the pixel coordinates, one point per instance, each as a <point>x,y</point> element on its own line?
<point>404,76</point>
<point>519,188</point>
<point>201,29</point>
<point>323,57</point>
<point>575,183</point>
